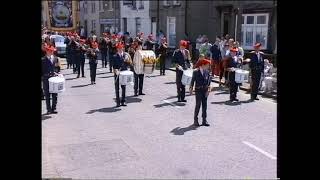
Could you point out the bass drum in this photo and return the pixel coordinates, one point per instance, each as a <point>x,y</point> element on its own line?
<point>139,66</point>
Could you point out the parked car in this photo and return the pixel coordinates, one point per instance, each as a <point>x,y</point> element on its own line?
<point>59,43</point>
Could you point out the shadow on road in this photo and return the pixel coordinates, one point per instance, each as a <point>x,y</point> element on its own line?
<point>223,92</point>
<point>170,83</point>
<point>152,76</point>
<point>107,76</point>
<point>168,104</point>
<point>105,110</point>
<point>130,99</point>
<point>181,131</point>
<point>229,103</point>
<point>67,79</point>
<point>45,117</point>
<point>84,85</point>
<point>172,97</point>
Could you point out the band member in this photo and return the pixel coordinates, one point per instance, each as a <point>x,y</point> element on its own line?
<point>93,59</point>
<point>197,64</point>
<point>138,71</point>
<point>256,66</point>
<point>82,59</point>
<point>233,62</point>
<point>202,79</point>
<point>181,57</point>
<point>150,43</point>
<point>121,62</point>
<point>73,53</point>
<point>163,55</point>
<point>68,50</point>
<point>112,50</point>
<point>49,69</point>
<point>216,60</point>
<point>103,47</point>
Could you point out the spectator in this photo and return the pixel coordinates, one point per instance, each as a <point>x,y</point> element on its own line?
<point>205,47</point>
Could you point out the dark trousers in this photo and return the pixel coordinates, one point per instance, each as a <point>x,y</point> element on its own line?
<point>93,71</point>
<point>201,99</point>
<point>233,86</point>
<point>123,88</point>
<point>138,82</point>
<point>255,79</point>
<point>47,95</point>
<point>104,60</point>
<point>162,64</point>
<point>110,61</point>
<point>69,60</point>
<point>181,89</point>
<point>74,62</point>
<point>80,66</point>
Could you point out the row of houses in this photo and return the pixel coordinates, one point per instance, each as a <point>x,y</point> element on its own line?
<point>247,21</point>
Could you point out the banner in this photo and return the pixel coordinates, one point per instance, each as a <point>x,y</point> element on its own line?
<point>62,15</point>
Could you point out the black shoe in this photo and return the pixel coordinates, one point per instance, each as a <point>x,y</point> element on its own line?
<point>78,76</point>
<point>205,124</point>
<point>142,93</point>
<point>196,124</point>
<point>179,100</point>
<point>83,76</point>
<point>47,113</point>
<point>135,94</point>
<point>236,99</point>
<point>54,112</point>
<point>256,98</point>
<point>118,105</point>
<point>91,82</point>
<point>123,104</point>
<point>94,82</point>
<point>184,100</point>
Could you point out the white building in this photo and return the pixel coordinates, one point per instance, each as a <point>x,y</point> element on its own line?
<point>89,16</point>
<point>135,17</point>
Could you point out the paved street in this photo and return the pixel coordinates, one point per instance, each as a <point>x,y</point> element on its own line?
<point>153,136</point>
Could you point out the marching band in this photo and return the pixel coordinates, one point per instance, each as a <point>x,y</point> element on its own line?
<point>124,54</point>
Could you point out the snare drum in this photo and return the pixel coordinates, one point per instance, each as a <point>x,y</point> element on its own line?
<point>126,77</point>
<point>186,77</point>
<point>56,84</point>
<point>241,76</point>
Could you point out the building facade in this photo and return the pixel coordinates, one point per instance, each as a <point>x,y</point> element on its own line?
<point>169,17</point>
<point>246,21</point>
<point>135,17</point>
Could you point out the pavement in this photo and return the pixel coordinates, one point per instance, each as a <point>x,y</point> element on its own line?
<point>153,136</point>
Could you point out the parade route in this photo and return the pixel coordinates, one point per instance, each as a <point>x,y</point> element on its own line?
<point>153,137</point>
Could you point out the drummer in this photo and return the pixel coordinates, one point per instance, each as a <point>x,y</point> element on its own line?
<point>232,63</point>
<point>49,69</point>
<point>197,64</point>
<point>202,79</point>
<point>138,71</point>
<point>121,62</point>
<point>181,57</point>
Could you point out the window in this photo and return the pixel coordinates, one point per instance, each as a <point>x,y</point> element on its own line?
<point>176,3</point>
<point>93,7</point>
<point>138,25</point>
<point>171,31</point>
<point>254,29</point>
<point>128,3</point>
<point>141,6</point>
<point>124,24</point>
<point>93,23</point>
<point>165,3</point>
<point>109,5</point>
